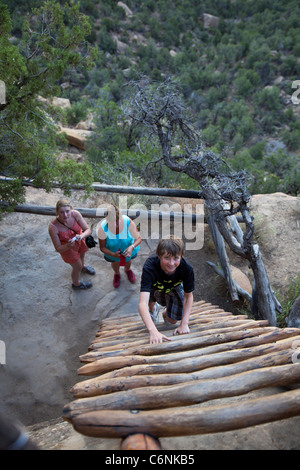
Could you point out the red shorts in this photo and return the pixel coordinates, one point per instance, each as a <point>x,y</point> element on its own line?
<point>72,255</point>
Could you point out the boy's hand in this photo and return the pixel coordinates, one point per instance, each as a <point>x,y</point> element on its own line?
<point>181,330</point>
<point>156,337</point>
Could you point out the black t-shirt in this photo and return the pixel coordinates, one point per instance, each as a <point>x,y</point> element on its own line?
<point>154,278</point>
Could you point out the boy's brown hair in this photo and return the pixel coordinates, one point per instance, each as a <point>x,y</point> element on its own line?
<point>173,246</point>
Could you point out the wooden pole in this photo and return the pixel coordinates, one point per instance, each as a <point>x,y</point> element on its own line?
<point>201,364</point>
<point>177,343</point>
<point>191,393</point>
<point>241,341</point>
<point>198,332</point>
<point>99,385</point>
<point>101,213</point>
<point>107,343</point>
<point>182,193</point>
<point>189,421</point>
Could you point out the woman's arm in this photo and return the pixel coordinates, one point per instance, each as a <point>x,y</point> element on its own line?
<point>56,241</point>
<point>137,238</point>
<point>86,231</point>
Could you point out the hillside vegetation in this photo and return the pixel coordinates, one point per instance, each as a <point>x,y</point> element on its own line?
<point>236,71</point>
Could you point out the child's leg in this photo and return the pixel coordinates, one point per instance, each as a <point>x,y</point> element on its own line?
<point>151,306</point>
<point>168,319</point>
<point>76,270</point>
<point>117,277</point>
<point>127,265</point>
<point>156,298</point>
<point>129,272</point>
<point>116,267</point>
<point>86,268</point>
<point>174,302</point>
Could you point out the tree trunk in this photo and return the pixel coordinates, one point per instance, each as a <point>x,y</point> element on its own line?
<point>267,304</point>
<point>221,250</point>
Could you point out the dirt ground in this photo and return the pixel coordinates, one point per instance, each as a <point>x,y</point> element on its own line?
<point>45,325</point>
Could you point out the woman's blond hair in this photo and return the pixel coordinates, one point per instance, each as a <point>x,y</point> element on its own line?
<point>62,203</point>
<point>113,212</point>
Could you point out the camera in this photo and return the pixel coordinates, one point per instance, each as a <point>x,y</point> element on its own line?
<point>90,241</point>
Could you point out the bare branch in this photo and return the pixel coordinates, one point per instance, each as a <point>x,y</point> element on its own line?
<point>159,109</point>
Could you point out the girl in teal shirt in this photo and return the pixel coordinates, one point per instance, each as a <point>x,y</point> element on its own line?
<point>118,236</point>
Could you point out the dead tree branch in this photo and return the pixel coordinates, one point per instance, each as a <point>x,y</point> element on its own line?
<point>159,110</point>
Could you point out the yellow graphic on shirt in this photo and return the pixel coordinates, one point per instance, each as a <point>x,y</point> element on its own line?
<point>166,286</point>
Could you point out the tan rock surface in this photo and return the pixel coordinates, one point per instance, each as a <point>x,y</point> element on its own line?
<point>46,326</point>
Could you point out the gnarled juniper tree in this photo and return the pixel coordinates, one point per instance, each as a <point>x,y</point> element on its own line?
<point>159,110</point>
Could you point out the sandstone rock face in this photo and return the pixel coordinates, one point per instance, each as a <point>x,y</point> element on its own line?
<point>276,219</point>
<point>121,46</point>
<point>61,102</point>
<point>87,125</point>
<point>46,326</point>
<point>210,21</point>
<point>127,10</point>
<point>241,279</point>
<point>76,137</point>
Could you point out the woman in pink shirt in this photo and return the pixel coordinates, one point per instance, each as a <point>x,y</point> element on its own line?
<point>68,232</point>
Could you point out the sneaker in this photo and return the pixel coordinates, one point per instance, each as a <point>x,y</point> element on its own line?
<point>88,269</point>
<point>82,285</point>
<point>155,313</point>
<point>116,280</point>
<point>130,275</point>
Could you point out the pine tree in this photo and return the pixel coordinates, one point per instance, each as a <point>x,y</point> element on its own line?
<point>53,42</point>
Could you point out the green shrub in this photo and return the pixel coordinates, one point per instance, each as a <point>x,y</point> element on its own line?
<point>291,138</point>
<point>268,98</point>
<point>211,135</point>
<point>286,299</point>
<point>243,86</point>
<point>78,112</point>
<point>106,42</point>
<point>257,150</point>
